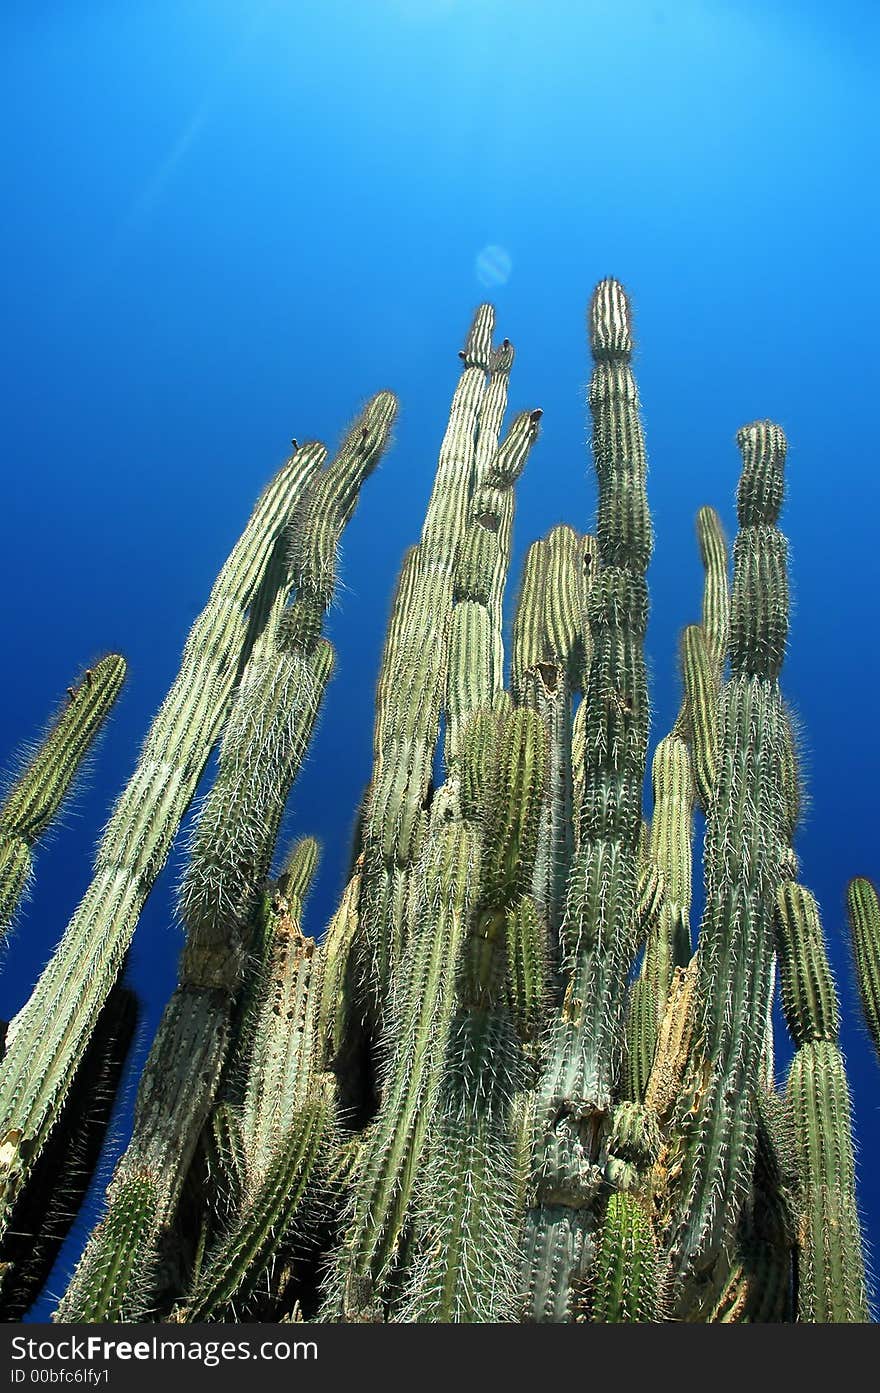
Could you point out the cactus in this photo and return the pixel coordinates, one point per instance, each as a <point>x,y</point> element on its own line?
<point>48,1037</point>
<point>266,736</point>
<point>502,1084</point>
<point>38,793</point>
<point>61,1178</point>
<point>864,921</point>
<point>831,1268</point>
<point>598,931</point>
<point>626,1278</point>
<point>744,840</point>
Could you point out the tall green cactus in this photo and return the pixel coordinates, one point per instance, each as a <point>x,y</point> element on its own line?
<point>502,1085</point>
<point>465,1221</point>
<point>48,1037</point>
<point>598,931</point>
<point>864,921</point>
<point>831,1268</point>
<point>267,734</point>
<point>743,855</point>
<point>38,792</point>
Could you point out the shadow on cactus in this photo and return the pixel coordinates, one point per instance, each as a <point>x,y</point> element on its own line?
<point>509,1081</point>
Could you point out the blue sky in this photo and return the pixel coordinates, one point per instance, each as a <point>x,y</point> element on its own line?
<point>227,224</point>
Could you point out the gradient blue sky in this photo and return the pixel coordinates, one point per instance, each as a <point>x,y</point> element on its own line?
<point>227,224</point>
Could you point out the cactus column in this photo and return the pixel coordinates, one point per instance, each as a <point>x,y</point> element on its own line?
<point>48,1037</point>
<point>743,856</point>
<point>599,930</point>
<point>35,797</point>
<point>831,1268</point>
<point>266,737</point>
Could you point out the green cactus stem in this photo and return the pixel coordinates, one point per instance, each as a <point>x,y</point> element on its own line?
<point>465,1222</point>
<point>744,843</point>
<point>551,648</point>
<point>864,922</point>
<point>716,587</point>
<point>669,943</point>
<point>60,1180</point>
<point>831,1266</point>
<point>412,683</point>
<point>626,1276</point>
<point>599,931</point>
<point>48,1038</point>
<point>243,1255</point>
<point>413,1047</point>
<point>39,791</point>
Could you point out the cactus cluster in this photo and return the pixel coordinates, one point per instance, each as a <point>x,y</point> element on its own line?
<point>507,1082</point>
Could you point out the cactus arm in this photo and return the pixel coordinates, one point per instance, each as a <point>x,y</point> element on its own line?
<point>412,1046</point>
<point>551,647</point>
<point>669,943</point>
<point>37,794</point>
<point>716,587</point>
<point>744,846</point>
<point>475,676</point>
<point>864,921</point>
<point>62,1176</point>
<point>412,685</point>
<point>626,1278</point>
<point>465,1220</point>
<point>242,1256</point>
<point>48,1037</point>
<point>268,731</point>
<point>831,1266</point>
<point>282,1066</point>
<point>586,1048</point>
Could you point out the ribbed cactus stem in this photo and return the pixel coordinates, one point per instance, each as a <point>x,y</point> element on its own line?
<point>412,1048</point>
<point>281,1074</point>
<point>276,1139</point>
<point>467,1271</point>
<point>325,510</point>
<point>702,688</point>
<point>116,1281</point>
<point>809,998</point>
<point>831,1268</point>
<point>864,922</point>
<point>626,1270</point>
<point>412,682</point>
<point>465,1222</point>
<point>336,1004</point>
<point>476,656</point>
<point>599,931</point>
<point>551,647</point>
<point>716,586</point>
<point>61,1178</point>
<point>39,791</point>
<point>669,944</point>
<point>244,1253</point>
<point>268,731</point>
<point>758,1286</point>
<point>744,843</point>
<point>48,1037</point>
